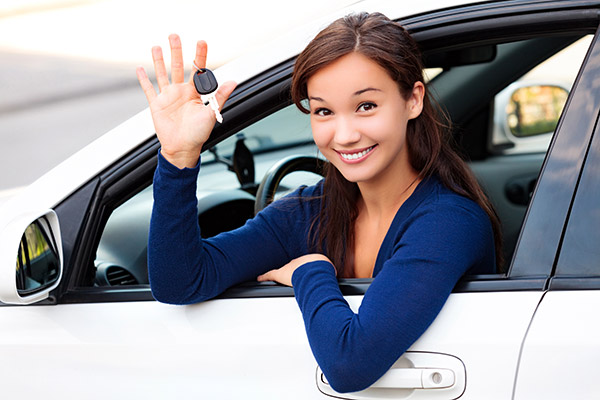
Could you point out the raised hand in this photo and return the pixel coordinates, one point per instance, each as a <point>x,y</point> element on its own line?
<point>182,122</point>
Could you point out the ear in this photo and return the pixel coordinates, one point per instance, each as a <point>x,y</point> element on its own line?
<point>415,101</point>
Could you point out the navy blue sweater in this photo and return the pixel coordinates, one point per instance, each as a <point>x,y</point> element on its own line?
<point>435,238</point>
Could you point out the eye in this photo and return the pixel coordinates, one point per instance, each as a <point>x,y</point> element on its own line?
<point>366,106</point>
<point>323,112</point>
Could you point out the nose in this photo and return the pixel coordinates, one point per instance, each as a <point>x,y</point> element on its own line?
<point>346,133</point>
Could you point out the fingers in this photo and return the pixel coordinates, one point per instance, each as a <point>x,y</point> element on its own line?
<point>274,275</point>
<point>266,276</point>
<point>177,67</point>
<point>159,68</point>
<point>282,275</point>
<point>145,84</point>
<point>177,74</point>
<point>201,52</point>
<point>200,59</point>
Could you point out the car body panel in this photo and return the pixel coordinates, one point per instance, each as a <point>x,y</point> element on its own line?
<point>213,351</point>
<point>250,342</point>
<point>562,343</point>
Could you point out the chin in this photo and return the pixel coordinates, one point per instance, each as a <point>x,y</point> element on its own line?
<point>352,176</point>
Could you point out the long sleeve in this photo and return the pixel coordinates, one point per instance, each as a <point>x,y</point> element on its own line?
<point>183,268</point>
<point>435,238</point>
<point>430,249</point>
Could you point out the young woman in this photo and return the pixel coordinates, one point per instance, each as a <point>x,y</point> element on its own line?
<point>397,203</point>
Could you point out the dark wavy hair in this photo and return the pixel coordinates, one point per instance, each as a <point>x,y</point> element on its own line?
<point>428,136</point>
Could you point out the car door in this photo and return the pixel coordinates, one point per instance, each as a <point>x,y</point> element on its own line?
<point>562,346</point>
<point>99,341</point>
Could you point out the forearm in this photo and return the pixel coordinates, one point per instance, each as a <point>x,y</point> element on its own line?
<point>355,349</point>
<point>184,269</point>
<point>174,234</point>
<point>339,344</point>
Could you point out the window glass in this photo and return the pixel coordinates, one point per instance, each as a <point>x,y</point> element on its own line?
<point>286,127</point>
<point>580,251</point>
<point>527,111</point>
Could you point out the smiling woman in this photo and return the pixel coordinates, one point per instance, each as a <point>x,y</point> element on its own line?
<point>397,204</point>
<point>359,120</point>
<point>355,58</point>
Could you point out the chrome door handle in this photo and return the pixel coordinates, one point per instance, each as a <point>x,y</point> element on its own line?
<point>413,378</point>
<point>416,375</point>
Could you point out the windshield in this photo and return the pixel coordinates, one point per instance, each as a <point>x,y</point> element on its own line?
<point>287,127</point>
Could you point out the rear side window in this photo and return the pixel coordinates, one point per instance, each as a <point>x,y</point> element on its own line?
<point>527,111</point>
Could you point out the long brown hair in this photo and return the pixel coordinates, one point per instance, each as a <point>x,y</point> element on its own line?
<point>428,138</point>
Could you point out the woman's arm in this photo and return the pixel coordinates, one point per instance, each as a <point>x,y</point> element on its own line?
<point>183,268</point>
<point>430,256</point>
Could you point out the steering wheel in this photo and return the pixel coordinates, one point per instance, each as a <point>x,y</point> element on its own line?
<point>269,184</point>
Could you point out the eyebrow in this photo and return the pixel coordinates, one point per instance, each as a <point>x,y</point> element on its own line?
<point>357,93</point>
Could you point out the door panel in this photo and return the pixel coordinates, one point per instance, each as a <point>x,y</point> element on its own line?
<point>230,348</point>
<point>484,331</point>
<point>562,348</point>
<point>220,349</point>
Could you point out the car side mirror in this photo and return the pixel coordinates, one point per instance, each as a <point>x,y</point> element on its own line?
<point>30,258</point>
<point>535,110</point>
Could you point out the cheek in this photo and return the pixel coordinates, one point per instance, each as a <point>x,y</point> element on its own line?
<point>378,128</point>
<point>388,126</point>
<point>321,134</point>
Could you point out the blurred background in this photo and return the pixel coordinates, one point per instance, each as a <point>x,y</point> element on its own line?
<point>68,66</point>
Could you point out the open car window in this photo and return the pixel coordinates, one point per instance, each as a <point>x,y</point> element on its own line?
<point>474,95</point>
<point>223,204</point>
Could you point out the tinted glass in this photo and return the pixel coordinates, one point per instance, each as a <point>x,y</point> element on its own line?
<point>580,252</point>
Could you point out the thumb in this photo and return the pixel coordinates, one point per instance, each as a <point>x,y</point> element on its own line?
<point>224,92</point>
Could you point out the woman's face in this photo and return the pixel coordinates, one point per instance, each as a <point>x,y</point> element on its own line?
<point>359,118</point>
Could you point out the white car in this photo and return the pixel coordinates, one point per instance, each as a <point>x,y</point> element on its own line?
<point>78,319</point>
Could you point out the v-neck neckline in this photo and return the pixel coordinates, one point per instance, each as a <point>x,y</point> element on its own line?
<point>420,192</point>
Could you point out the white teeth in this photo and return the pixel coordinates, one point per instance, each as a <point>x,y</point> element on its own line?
<point>354,156</point>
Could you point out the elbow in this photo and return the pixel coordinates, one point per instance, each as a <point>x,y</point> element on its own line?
<point>176,295</point>
<point>164,296</point>
<point>345,378</point>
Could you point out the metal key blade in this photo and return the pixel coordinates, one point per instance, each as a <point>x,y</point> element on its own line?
<point>214,104</point>
<point>206,85</point>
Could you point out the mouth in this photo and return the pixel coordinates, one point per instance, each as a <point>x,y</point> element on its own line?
<point>355,156</point>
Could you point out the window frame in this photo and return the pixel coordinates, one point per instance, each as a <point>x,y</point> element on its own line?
<point>269,92</point>
<point>575,267</point>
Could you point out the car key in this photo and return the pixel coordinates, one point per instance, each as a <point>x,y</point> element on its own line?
<point>206,84</point>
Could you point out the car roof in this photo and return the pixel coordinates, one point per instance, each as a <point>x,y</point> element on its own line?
<point>293,42</point>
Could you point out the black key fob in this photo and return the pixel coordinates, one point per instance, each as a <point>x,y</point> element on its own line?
<point>205,81</point>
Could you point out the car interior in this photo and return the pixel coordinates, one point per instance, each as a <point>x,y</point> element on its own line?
<point>467,83</point>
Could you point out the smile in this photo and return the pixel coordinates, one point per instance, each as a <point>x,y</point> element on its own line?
<point>359,155</point>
